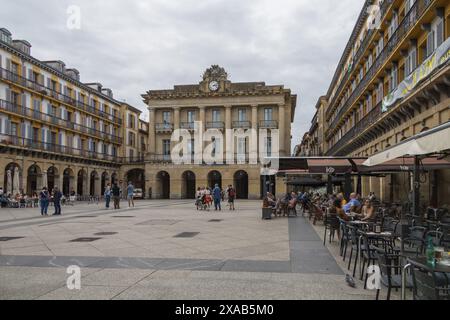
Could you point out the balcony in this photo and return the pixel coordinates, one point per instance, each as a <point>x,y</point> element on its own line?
<point>215,125</point>
<point>268,124</point>
<point>406,25</point>
<point>362,49</point>
<point>41,89</point>
<point>53,120</point>
<point>34,145</point>
<point>368,120</point>
<point>187,125</point>
<point>164,128</point>
<point>242,125</point>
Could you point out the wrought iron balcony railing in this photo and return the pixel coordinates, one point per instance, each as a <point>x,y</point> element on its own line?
<point>268,124</point>
<point>54,120</point>
<point>410,19</point>
<point>242,124</point>
<point>164,127</point>
<point>41,89</point>
<point>215,125</point>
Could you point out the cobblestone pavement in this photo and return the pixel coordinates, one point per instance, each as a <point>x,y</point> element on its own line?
<point>168,250</point>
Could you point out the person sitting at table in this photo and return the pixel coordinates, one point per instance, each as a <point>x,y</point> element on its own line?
<point>368,211</point>
<point>353,205</point>
<point>337,211</point>
<point>341,197</point>
<point>269,201</point>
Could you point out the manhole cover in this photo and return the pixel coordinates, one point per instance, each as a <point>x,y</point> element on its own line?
<point>85,240</point>
<point>4,239</point>
<point>215,220</point>
<point>187,235</point>
<point>158,223</point>
<point>105,234</point>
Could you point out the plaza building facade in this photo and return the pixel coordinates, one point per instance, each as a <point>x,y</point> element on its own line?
<point>222,106</point>
<point>392,82</point>
<point>56,131</point>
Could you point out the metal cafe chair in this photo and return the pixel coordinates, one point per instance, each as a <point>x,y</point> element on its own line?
<point>426,285</point>
<point>390,268</point>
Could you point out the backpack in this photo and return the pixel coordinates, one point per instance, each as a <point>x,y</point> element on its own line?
<point>231,192</point>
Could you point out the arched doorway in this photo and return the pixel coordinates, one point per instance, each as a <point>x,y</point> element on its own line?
<point>34,176</point>
<point>105,181</point>
<point>241,184</point>
<point>81,180</point>
<point>93,183</point>
<point>163,185</point>
<point>114,178</point>
<point>68,177</point>
<point>12,177</point>
<point>214,177</point>
<point>52,178</point>
<point>188,188</point>
<point>137,177</point>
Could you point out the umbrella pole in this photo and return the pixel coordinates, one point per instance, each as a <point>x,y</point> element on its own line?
<point>416,188</point>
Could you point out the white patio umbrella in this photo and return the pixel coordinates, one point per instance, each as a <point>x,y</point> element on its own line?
<point>44,179</point>
<point>429,142</point>
<point>16,182</point>
<point>8,182</point>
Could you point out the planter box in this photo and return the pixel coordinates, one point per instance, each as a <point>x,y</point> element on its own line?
<point>267,213</point>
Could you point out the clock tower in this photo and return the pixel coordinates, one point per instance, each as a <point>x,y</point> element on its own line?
<point>215,80</point>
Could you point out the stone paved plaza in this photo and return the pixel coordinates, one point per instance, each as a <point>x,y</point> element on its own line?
<point>168,250</point>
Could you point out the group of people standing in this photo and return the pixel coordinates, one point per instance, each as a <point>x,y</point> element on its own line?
<point>207,196</point>
<point>45,197</point>
<point>114,193</point>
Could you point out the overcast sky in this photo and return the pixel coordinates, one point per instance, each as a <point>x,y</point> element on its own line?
<point>136,45</point>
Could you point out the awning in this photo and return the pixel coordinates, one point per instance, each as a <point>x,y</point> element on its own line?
<point>433,141</point>
<point>341,166</point>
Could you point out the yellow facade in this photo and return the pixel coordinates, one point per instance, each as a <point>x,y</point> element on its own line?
<point>228,106</point>
<point>369,109</point>
<point>56,130</point>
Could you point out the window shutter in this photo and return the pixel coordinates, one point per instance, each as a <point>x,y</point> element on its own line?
<point>24,100</point>
<point>414,59</point>
<point>8,64</point>
<point>24,72</point>
<point>430,43</point>
<point>30,75</point>
<point>1,64</point>
<point>22,130</point>
<point>440,33</point>
<point>49,137</point>
<point>8,126</point>
<point>49,83</point>
<point>8,95</point>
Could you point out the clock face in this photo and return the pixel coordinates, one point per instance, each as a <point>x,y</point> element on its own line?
<point>213,86</point>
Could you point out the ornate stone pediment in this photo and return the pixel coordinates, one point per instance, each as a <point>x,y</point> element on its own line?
<point>215,73</point>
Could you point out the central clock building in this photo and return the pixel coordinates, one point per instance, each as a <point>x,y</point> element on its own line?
<point>218,104</point>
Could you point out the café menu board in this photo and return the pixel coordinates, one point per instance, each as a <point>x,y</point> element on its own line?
<point>438,58</point>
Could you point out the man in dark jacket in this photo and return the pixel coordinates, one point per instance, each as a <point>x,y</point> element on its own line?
<point>57,196</point>
<point>116,196</point>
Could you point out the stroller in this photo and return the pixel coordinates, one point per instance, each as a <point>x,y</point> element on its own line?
<point>202,203</point>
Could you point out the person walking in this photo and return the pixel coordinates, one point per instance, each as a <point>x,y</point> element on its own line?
<point>44,198</point>
<point>217,195</point>
<point>116,196</point>
<point>231,193</point>
<point>57,196</point>
<point>130,194</point>
<point>107,195</point>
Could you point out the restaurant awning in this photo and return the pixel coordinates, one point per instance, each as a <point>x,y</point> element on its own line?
<point>433,141</point>
<point>341,166</point>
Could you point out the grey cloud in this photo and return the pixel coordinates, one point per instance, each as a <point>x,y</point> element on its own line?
<point>132,46</point>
